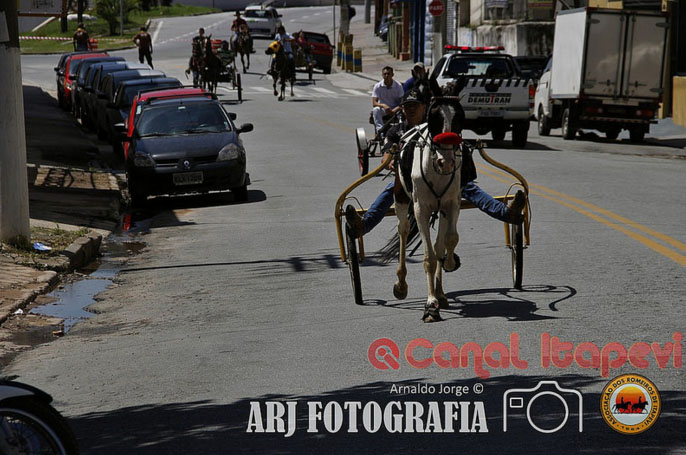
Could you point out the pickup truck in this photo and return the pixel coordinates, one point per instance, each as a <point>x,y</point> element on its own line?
<point>496,98</point>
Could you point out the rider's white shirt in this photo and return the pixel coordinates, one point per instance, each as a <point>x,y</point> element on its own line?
<point>392,96</point>
<point>284,40</point>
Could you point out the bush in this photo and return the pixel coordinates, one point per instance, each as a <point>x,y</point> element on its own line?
<point>109,11</point>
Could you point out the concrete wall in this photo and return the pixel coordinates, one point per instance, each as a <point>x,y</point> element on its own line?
<point>524,38</point>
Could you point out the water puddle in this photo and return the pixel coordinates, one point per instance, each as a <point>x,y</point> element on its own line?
<point>71,301</point>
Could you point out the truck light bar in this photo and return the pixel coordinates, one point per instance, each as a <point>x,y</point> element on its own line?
<point>450,47</point>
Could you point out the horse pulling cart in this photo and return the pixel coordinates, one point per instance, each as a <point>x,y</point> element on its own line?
<point>303,62</point>
<point>516,235</point>
<point>228,73</point>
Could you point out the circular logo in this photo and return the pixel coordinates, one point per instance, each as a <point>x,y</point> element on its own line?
<point>630,404</point>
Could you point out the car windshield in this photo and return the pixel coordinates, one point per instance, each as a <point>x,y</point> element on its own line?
<point>74,67</point>
<point>183,119</point>
<point>316,38</point>
<point>480,66</point>
<point>259,13</point>
<point>126,97</point>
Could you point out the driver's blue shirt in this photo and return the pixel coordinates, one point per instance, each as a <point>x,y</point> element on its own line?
<point>284,39</point>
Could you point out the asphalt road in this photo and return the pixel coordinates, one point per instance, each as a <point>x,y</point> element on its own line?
<point>237,303</point>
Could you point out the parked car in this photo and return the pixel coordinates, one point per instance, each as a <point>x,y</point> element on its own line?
<point>531,67</point>
<point>81,73</point>
<point>100,71</point>
<point>382,31</point>
<point>262,20</point>
<point>66,73</point>
<point>184,144</point>
<point>321,49</point>
<point>118,110</point>
<point>107,92</point>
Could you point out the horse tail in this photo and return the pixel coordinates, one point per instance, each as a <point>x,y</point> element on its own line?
<point>389,252</point>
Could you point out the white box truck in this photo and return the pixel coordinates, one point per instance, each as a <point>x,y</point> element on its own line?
<point>605,73</point>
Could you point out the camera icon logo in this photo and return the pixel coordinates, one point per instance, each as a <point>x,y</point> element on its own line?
<point>383,354</point>
<point>543,403</point>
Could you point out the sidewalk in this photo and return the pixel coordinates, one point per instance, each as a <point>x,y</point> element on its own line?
<point>374,57</point>
<point>64,191</point>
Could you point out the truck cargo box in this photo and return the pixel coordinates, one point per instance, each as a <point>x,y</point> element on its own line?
<point>608,53</point>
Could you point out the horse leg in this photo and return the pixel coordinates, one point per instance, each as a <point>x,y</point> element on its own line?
<point>400,286</point>
<point>450,261</point>
<point>283,89</point>
<point>431,309</point>
<point>439,248</point>
<point>275,79</point>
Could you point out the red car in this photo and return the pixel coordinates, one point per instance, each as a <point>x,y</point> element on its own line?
<point>321,49</point>
<point>66,74</point>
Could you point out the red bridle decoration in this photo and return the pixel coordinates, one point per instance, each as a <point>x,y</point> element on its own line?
<point>448,138</point>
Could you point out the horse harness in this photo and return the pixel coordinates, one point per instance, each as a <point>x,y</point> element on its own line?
<point>412,138</point>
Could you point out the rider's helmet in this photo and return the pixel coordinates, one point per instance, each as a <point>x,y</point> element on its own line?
<point>275,46</point>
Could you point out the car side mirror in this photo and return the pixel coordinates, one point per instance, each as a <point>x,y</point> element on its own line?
<point>245,128</point>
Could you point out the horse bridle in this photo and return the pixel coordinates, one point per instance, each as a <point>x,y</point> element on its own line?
<point>457,152</point>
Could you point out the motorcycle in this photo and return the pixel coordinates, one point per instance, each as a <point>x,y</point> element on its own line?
<point>30,425</point>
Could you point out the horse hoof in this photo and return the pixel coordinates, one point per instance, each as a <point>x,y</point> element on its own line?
<point>443,302</point>
<point>431,315</point>
<point>399,291</point>
<point>456,259</point>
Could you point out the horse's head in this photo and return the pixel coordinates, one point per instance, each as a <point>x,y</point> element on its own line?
<point>445,118</point>
<point>445,112</point>
<point>445,153</point>
<point>274,48</point>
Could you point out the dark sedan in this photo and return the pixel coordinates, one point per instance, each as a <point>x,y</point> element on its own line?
<point>185,145</point>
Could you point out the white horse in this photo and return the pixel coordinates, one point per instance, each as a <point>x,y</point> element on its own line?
<point>433,186</point>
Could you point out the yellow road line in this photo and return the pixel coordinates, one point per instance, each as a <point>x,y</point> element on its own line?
<point>563,199</point>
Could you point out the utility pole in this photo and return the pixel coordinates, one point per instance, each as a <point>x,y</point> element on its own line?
<point>14,189</point>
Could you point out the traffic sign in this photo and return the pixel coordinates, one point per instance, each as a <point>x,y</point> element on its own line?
<point>436,7</point>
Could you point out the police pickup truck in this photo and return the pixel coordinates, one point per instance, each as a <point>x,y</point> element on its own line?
<point>495,97</point>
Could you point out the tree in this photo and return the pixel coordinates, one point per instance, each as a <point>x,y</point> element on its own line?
<point>109,10</point>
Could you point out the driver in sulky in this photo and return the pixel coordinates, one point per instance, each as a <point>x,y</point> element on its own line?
<point>413,109</point>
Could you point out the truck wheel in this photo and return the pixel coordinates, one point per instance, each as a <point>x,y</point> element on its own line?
<point>520,132</point>
<point>636,135</point>
<point>612,133</point>
<point>568,130</point>
<point>498,134</point>
<point>543,123</point>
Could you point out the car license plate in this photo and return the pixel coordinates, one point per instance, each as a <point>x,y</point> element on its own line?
<point>492,113</point>
<point>187,178</point>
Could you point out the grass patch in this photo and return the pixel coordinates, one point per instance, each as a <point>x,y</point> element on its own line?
<point>99,29</point>
<point>56,238</point>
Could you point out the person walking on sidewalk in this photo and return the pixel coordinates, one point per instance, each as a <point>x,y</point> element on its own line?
<point>144,42</point>
<point>386,97</point>
<point>81,39</point>
<point>414,108</point>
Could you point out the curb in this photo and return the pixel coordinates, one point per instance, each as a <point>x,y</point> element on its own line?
<point>76,255</point>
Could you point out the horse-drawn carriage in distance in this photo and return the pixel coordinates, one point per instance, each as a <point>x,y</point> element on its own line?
<point>228,73</point>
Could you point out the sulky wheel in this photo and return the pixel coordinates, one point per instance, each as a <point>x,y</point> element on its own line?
<point>517,249</point>
<point>354,265</point>
<point>239,86</point>
<point>362,151</point>
<point>234,82</point>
